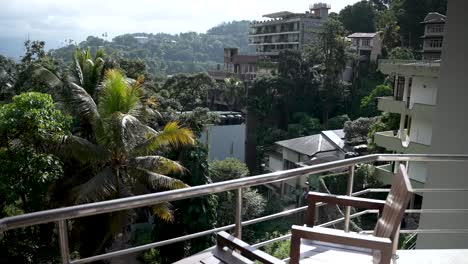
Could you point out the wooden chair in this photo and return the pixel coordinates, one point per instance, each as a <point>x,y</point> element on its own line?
<point>378,247</point>
<point>325,241</point>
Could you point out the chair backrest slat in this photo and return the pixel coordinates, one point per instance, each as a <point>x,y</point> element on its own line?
<point>395,205</point>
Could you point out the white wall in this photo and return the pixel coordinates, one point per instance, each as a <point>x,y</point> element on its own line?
<point>275,163</point>
<point>450,126</point>
<point>423,90</point>
<point>225,141</point>
<point>421,130</point>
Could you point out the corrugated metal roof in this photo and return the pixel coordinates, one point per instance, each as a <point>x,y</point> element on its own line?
<point>309,145</point>
<point>362,35</point>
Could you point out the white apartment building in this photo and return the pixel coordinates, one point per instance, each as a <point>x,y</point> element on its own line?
<point>367,45</point>
<point>414,99</point>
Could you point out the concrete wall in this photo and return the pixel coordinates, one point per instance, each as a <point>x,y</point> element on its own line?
<point>275,163</point>
<point>450,130</point>
<point>225,141</point>
<point>421,130</point>
<point>423,90</point>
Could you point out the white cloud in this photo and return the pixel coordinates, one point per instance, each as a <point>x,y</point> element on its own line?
<point>76,19</point>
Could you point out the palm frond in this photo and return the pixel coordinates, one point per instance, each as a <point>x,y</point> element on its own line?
<point>172,135</point>
<point>158,181</point>
<point>157,164</point>
<point>163,211</point>
<point>117,95</point>
<point>84,103</point>
<point>102,186</point>
<point>80,149</point>
<point>121,131</point>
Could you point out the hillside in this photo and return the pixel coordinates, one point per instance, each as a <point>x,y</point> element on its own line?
<point>169,54</point>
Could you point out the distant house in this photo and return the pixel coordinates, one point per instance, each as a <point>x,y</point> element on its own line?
<point>434,24</point>
<point>368,45</point>
<point>303,151</point>
<point>141,39</point>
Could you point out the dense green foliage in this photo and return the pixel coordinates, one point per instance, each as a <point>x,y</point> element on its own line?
<point>27,127</point>
<point>253,203</point>
<point>369,103</point>
<point>359,17</point>
<point>170,54</point>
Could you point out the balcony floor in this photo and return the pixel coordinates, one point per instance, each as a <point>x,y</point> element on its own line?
<point>426,256</point>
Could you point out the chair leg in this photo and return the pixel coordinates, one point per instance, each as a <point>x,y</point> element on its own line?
<point>386,257</point>
<point>295,249</point>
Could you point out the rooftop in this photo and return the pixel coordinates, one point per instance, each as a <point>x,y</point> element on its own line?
<point>362,35</point>
<point>310,145</point>
<point>434,17</point>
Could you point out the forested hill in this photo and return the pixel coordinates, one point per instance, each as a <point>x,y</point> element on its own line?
<point>168,54</point>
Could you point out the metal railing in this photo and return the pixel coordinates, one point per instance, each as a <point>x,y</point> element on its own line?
<point>61,215</point>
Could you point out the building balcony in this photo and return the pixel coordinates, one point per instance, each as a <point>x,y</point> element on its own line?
<point>64,217</point>
<point>262,34</point>
<point>391,105</point>
<point>360,47</point>
<point>390,141</point>
<point>410,67</point>
<point>260,43</point>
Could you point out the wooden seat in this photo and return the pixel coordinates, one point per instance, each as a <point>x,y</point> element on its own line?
<point>311,244</point>
<point>379,245</point>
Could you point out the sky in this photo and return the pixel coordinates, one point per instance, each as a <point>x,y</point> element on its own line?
<point>58,20</point>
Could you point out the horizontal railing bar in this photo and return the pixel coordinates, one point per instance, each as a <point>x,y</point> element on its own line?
<point>173,195</point>
<point>436,211</point>
<point>417,190</point>
<point>425,231</point>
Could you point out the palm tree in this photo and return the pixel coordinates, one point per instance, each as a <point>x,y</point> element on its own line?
<point>127,154</point>
<point>234,93</point>
<point>86,71</point>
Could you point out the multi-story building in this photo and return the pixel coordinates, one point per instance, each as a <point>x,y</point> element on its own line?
<point>414,99</point>
<point>242,67</point>
<point>366,45</point>
<point>433,36</point>
<point>286,30</point>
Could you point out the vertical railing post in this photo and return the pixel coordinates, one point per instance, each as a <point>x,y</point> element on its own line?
<point>63,241</point>
<point>238,228</point>
<point>349,191</point>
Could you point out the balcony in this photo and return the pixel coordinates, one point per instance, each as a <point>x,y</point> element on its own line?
<point>391,105</point>
<point>392,142</point>
<point>62,215</point>
<point>410,67</point>
<point>262,34</point>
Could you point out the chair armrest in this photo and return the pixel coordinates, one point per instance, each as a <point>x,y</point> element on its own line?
<point>346,200</point>
<point>223,239</point>
<point>339,237</point>
<point>315,197</point>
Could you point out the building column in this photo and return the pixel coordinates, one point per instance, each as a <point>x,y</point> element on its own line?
<point>449,137</point>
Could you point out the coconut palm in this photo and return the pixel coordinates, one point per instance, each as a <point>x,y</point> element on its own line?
<point>86,71</point>
<point>127,154</point>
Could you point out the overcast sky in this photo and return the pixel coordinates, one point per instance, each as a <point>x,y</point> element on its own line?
<point>66,19</point>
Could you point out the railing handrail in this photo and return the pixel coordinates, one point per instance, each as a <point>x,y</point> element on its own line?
<point>89,209</point>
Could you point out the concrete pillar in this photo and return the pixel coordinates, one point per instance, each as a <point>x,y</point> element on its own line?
<point>450,126</point>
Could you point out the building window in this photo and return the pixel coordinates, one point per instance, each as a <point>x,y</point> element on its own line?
<point>365,42</point>
<point>435,28</point>
<point>435,43</point>
<point>400,88</point>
